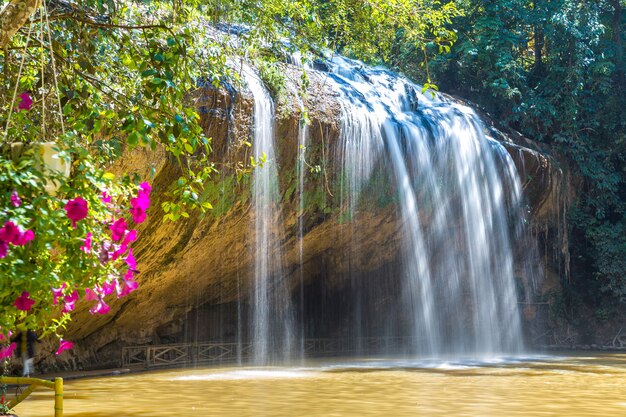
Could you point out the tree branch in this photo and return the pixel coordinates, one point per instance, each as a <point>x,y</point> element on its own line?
<point>13,17</point>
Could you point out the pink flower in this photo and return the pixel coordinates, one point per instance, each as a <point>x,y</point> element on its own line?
<point>10,233</point>
<point>70,302</point>
<point>141,203</point>
<point>76,210</point>
<point>4,249</point>
<point>119,251</point>
<point>87,245</point>
<point>4,337</point>
<point>131,236</point>
<point>90,294</point>
<point>105,197</point>
<point>108,287</point>
<point>63,346</point>
<point>7,351</point>
<point>100,308</point>
<point>131,261</point>
<point>24,302</point>
<point>25,103</point>
<point>129,275</point>
<point>118,229</point>
<point>126,288</point>
<point>57,293</point>
<point>15,199</point>
<point>25,237</point>
<point>145,188</point>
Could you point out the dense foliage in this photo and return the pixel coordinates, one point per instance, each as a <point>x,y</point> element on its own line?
<point>554,70</point>
<point>108,76</point>
<point>96,79</point>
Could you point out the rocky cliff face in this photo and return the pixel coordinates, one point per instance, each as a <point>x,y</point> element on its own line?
<point>194,271</point>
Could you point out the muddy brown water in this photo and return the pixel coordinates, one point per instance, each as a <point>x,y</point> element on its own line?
<point>582,385</point>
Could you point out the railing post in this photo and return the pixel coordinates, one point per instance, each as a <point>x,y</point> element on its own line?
<point>58,397</point>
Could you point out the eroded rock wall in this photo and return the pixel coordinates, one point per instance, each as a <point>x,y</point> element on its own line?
<point>194,271</point>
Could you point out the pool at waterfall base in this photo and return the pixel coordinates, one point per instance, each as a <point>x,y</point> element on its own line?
<point>582,384</point>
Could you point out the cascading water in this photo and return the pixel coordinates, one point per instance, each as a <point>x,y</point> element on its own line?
<point>303,132</point>
<point>271,321</point>
<point>459,199</point>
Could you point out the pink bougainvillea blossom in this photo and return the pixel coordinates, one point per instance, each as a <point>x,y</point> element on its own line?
<point>25,237</point>
<point>141,203</point>
<point>131,261</point>
<point>24,302</point>
<point>118,229</point>
<point>100,308</point>
<point>127,285</point>
<point>10,233</point>
<point>144,188</point>
<point>63,346</point>
<point>57,293</point>
<point>129,275</point>
<point>87,244</point>
<point>130,237</point>
<point>15,199</point>
<point>107,287</point>
<point>25,103</point>
<point>138,209</point>
<point>105,197</point>
<point>119,251</point>
<point>76,209</point>
<point>7,351</point>
<point>90,294</point>
<point>69,302</point>
<point>125,288</point>
<point>4,337</point>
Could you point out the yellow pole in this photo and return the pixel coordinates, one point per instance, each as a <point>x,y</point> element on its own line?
<point>19,380</point>
<point>57,386</point>
<point>22,396</point>
<point>58,397</point>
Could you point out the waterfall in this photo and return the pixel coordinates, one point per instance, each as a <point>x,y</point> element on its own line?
<point>271,313</point>
<point>303,132</point>
<point>457,198</point>
<point>459,201</point>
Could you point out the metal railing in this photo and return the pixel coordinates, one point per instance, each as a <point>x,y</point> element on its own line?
<point>33,383</point>
<point>177,354</point>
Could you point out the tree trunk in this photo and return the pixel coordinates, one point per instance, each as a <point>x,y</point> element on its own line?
<point>618,44</point>
<point>539,44</point>
<point>539,40</point>
<point>13,17</point>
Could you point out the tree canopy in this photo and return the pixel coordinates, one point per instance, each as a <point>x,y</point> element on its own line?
<point>105,76</point>
<point>89,80</point>
<point>554,70</point>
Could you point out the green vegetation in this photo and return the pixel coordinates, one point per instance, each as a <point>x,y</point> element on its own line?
<point>553,70</point>
<point>100,78</point>
<point>107,76</point>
